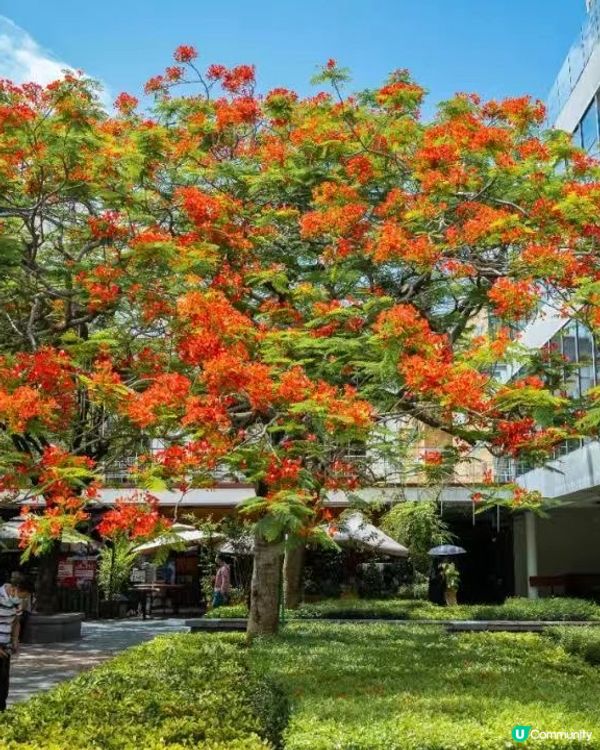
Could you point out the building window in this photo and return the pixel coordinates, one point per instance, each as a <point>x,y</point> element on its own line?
<point>589,127</point>
<point>585,353</point>
<point>569,352</point>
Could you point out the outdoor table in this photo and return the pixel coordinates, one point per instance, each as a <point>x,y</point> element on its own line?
<point>149,590</point>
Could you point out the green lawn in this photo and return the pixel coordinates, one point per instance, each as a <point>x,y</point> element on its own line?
<point>374,686</point>
<point>381,687</point>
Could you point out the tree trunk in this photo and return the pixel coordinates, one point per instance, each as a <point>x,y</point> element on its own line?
<point>265,588</point>
<point>45,585</point>
<point>293,567</point>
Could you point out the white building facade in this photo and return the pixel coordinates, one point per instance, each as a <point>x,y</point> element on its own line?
<point>562,553</point>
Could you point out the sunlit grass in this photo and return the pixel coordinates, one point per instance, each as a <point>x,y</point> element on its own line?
<point>384,687</point>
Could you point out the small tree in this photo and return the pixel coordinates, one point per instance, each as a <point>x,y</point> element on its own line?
<point>419,526</point>
<point>114,567</point>
<point>133,521</point>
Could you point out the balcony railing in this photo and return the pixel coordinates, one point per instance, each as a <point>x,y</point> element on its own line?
<point>509,469</point>
<point>118,473</point>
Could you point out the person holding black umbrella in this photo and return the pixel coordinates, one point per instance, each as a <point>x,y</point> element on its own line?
<point>436,588</point>
<point>438,583</point>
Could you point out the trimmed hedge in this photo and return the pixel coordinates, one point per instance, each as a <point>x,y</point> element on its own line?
<point>182,691</point>
<point>552,608</point>
<point>581,641</point>
<point>380,687</point>
<point>230,612</point>
<point>557,608</point>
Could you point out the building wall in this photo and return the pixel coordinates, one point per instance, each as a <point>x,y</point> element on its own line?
<point>578,471</point>
<point>569,541</point>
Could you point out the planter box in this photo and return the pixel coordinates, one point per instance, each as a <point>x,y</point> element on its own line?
<point>64,626</point>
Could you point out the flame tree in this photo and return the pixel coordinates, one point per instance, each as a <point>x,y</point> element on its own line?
<point>258,282</point>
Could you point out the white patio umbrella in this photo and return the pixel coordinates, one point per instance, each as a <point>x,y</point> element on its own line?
<point>353,529</point>
<point>10,531</point>
<point>242,546</point>
<point>357,529</point>
<point>179,533</point>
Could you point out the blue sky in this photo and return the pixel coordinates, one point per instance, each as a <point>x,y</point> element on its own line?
<point>494,47</point>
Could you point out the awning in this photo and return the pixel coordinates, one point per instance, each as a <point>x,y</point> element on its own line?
<point>243,545</point>
<point>10,530</point>
<point>179,534</point>
<point>356,529</point>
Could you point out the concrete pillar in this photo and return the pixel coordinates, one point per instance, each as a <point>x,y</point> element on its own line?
<point>531,551</point>
<point>519,555</point>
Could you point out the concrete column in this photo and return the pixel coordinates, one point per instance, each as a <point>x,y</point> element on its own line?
<point>519,555</point>
<point>531,552</point>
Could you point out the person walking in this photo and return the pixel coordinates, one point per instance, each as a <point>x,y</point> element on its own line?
<point>11,598</point>
<point>222,583</point>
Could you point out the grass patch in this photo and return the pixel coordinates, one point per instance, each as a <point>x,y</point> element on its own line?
<point>380,687</point>
<point>182,691</point>
<point>232,611</point>
<point>580,641</point>
<point>552,608</point>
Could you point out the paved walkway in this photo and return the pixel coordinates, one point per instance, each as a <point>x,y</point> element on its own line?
<point>39,667</point>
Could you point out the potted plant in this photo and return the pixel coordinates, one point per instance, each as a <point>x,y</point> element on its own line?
<point>114,570</point>
<point>452,581</point>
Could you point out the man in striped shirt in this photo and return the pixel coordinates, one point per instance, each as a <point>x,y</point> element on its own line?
<point>11,595</point>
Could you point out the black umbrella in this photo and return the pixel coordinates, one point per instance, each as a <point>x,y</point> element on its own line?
<point>446,550</point>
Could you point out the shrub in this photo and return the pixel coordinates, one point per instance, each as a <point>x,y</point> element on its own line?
<point>417,589</point>
<point>356,609</point>
<point>419,526</point>
<point>176,692</point>
<point>558,609</point>
<point>402,609</point>
<point>370,581</point>
<point>551,608</point>
<point>231,611</point>
<point>582,641</point>
<point>323,572</point>
<point>115,566</point>
<point>271,707</point>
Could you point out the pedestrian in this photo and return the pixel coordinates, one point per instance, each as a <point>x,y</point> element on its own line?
<point>436,584</point>
<point>11,599</point>
<point>222,583</point>
<point>23,584</point>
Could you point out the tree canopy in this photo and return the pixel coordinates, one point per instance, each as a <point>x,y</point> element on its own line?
<point>258,282</point>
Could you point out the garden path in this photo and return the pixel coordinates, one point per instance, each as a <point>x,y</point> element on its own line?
<point>41,666</point>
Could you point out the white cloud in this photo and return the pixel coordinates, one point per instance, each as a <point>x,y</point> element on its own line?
<point>23,59</point>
